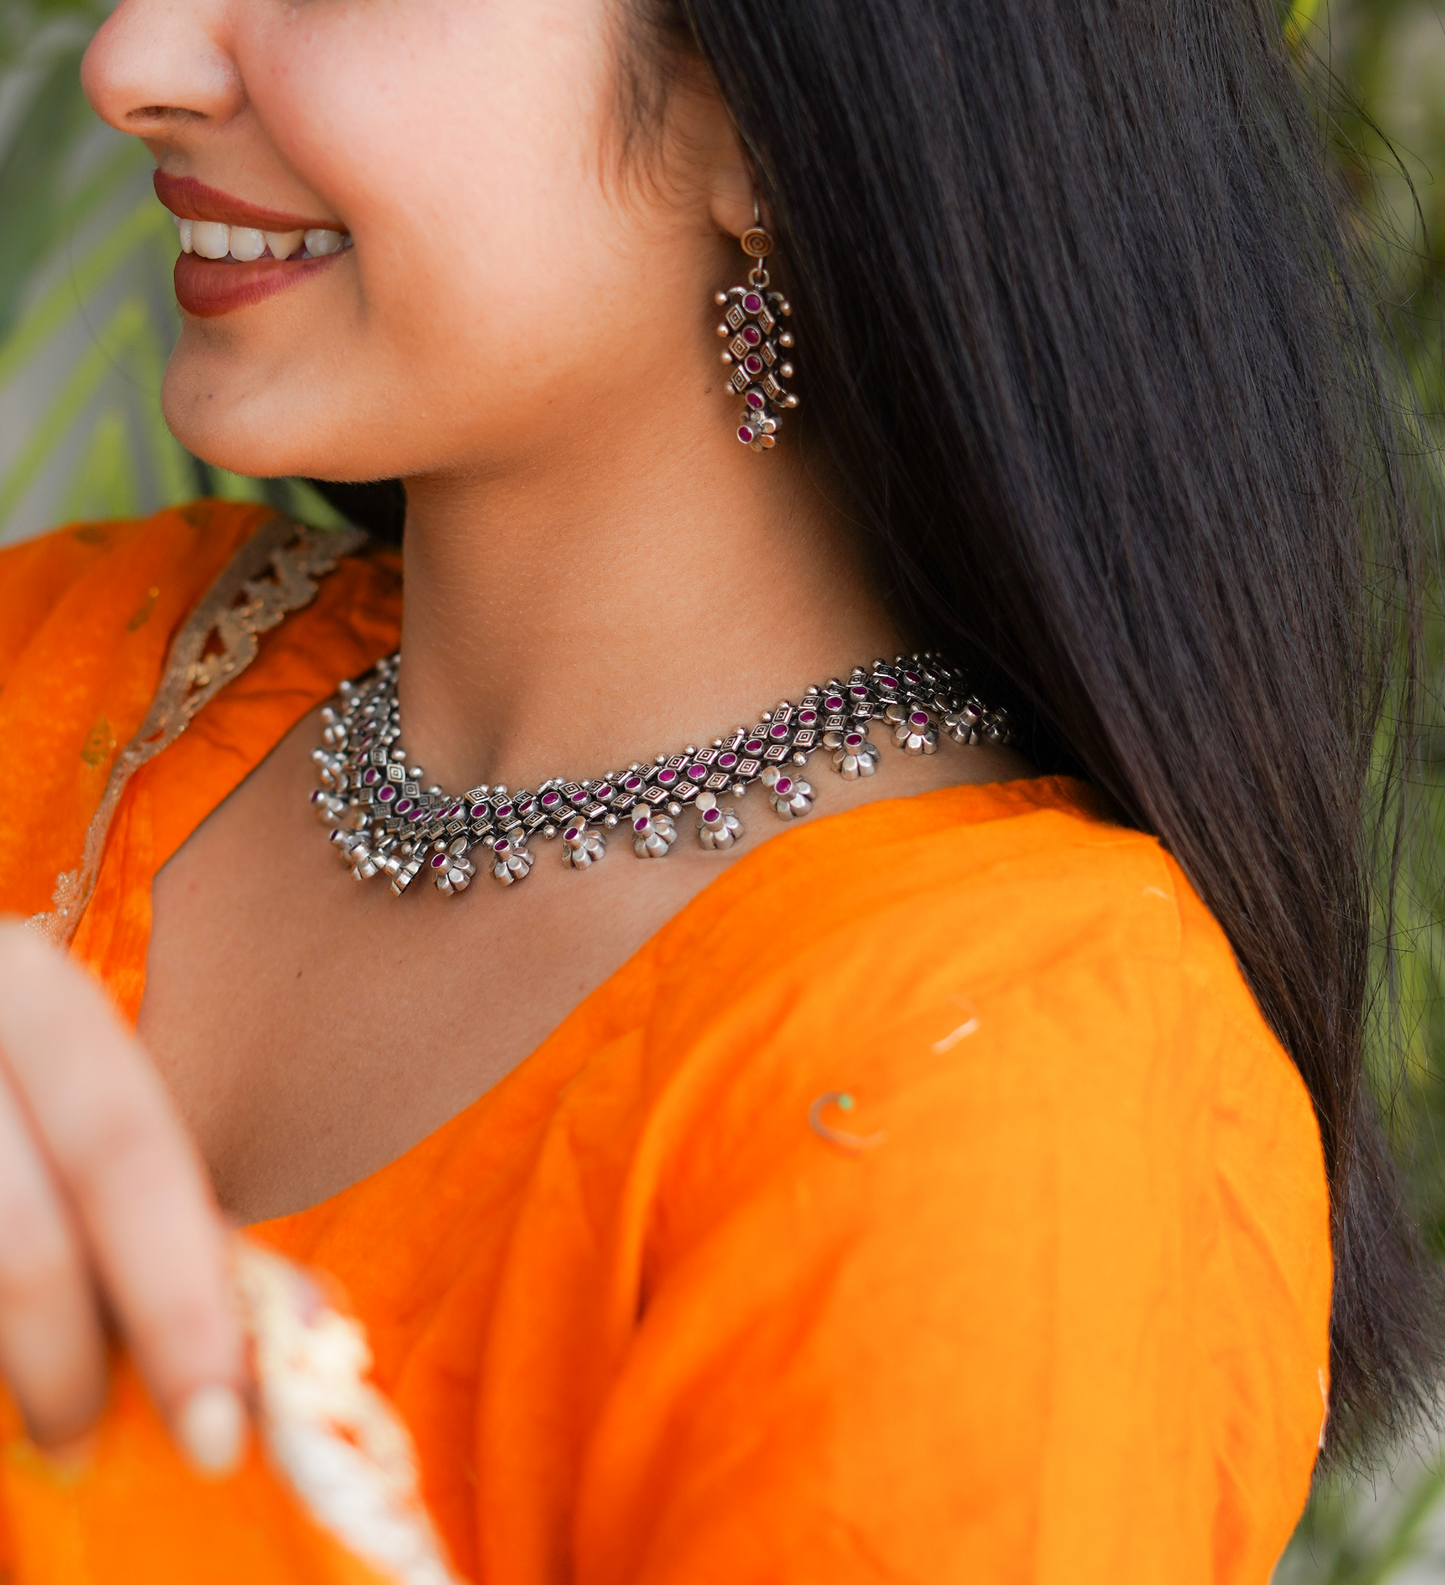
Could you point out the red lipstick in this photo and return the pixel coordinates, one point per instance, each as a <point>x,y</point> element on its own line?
<point>208,287</point>
<point>205,287</point>
<point>193,200</point>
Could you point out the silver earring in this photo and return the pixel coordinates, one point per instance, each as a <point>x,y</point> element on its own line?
<point>757,345</point>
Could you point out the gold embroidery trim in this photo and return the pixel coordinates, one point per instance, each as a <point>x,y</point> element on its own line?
<point>274,573</point>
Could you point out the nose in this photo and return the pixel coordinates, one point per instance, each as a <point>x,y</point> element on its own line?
<point>156,64</point>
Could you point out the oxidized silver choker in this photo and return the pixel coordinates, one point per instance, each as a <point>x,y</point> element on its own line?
<point>385,821</point>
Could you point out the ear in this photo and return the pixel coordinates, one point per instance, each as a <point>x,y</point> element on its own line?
<point>733,199</point>
<point>703,126</point>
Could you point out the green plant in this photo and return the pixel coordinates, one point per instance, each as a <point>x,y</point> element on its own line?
<point>87,316</point>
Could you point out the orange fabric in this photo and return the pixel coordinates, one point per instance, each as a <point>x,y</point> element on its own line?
<point>1063,1320</point>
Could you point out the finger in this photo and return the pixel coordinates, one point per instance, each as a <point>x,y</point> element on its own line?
<point>52,1344</point>
<point>138,1191</point>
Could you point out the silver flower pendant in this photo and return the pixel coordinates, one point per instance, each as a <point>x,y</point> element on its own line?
<point>652,834</point>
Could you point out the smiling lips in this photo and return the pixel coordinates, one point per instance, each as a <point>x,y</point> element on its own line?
<point>234,254</point>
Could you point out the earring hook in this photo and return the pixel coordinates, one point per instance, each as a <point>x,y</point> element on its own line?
<point>757,244</point>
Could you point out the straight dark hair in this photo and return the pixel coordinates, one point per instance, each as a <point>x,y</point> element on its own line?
<point>1086,351</point>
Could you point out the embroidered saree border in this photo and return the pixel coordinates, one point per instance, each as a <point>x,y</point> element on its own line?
<point>274,573</point>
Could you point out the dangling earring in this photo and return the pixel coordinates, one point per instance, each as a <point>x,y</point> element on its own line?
<point>756,355</point>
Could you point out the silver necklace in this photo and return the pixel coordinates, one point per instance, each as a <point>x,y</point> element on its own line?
<point>385,822</point>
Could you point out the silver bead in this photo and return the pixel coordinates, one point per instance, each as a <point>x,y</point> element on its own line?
<point>582,845</point>
<point>652,833</point>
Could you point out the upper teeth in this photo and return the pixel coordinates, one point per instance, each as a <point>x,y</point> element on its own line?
<point>212,240</point>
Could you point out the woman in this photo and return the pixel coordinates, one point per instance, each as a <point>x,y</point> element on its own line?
<point>945,1187</point>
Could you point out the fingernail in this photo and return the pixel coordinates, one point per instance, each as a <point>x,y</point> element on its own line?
<point>211,1429</point>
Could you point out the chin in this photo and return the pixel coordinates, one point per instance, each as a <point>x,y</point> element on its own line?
<point>262,428</point>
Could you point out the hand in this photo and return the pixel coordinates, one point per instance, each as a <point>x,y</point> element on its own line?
<point>106,1213</point>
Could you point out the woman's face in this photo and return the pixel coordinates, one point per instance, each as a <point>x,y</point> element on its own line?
<point>511,284</point>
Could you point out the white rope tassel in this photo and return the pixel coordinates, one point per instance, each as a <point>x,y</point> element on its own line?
<point>336,1439</point>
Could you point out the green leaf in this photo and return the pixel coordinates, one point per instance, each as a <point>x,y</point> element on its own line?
<point>32,177</point>
<point>126,325</point>
<point>61,305</point>
<point>105,484</point>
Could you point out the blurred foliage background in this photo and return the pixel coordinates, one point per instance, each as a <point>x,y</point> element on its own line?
<point>87,317</point>
<point>87,314</point>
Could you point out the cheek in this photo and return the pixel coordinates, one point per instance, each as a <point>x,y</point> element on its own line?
<point>460,141</point>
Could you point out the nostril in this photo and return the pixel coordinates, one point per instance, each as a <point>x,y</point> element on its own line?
<point>153,66</point>
<point>160,113</point>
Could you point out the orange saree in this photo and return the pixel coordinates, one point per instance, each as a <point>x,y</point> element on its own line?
<point>1048,1304</point>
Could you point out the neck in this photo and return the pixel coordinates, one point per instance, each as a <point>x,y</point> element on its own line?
<point>570,614</point>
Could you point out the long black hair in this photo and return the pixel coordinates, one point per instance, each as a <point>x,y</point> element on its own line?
<point>1087,353</point>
